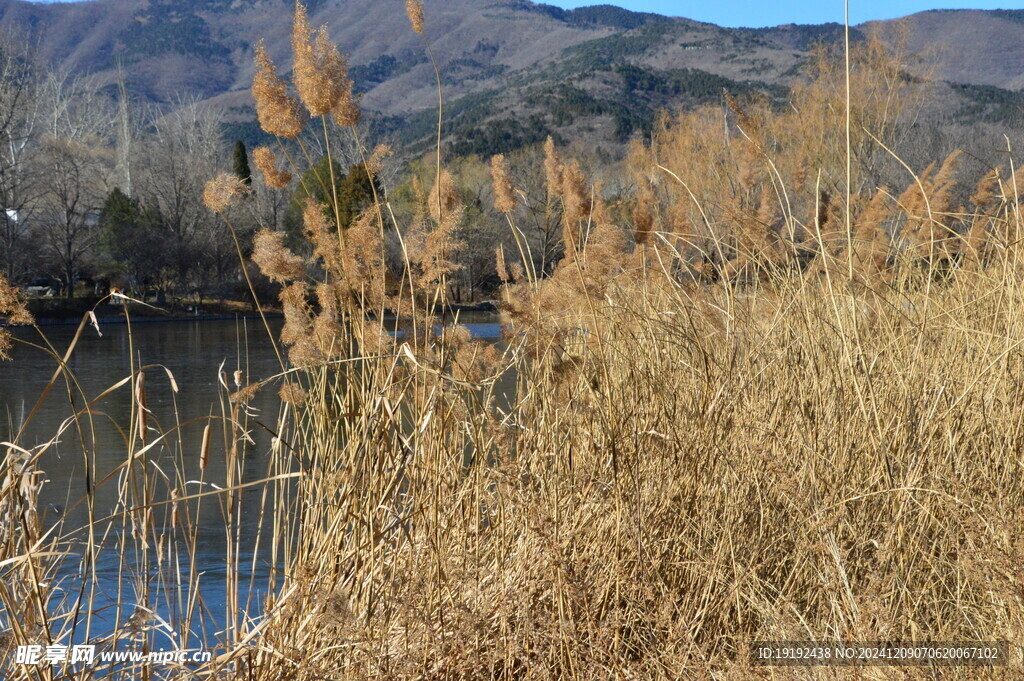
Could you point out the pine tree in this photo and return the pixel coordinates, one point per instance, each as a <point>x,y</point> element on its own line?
<point>242,169</point>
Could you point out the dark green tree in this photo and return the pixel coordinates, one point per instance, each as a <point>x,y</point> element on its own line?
<point>355,194</point>
<point>353,190</point>
<point>242,169</point>
<point>133,240</point>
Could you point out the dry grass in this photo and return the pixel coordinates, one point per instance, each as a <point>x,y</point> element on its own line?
<point>723,417</point>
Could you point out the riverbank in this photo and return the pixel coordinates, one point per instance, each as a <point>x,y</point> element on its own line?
<point>51,312</point>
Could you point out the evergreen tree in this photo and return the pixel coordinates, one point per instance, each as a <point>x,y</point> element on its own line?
<point>133,239</point>
<point>353,190</point>
<point>355,194</point>
<point>242,169</point>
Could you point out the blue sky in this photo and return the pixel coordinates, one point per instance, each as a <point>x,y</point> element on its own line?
<point>774,12</point>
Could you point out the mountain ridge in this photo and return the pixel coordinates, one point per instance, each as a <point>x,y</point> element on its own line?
<point>534,68</point>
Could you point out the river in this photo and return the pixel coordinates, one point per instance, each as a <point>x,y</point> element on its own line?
<point>193,353</point>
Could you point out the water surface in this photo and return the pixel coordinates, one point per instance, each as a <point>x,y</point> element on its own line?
<point>195,353</point>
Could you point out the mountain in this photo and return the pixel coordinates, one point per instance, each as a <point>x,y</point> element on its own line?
<point>513,71</point>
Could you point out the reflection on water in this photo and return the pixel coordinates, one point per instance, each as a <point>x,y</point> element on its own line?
<point>193,352</point>
<point>190,351</point>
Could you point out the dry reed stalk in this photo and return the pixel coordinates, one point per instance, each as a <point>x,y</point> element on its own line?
<point>692,457</point>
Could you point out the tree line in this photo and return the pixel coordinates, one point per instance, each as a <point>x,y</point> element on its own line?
<point>95,187</point>
<point>99,190</point>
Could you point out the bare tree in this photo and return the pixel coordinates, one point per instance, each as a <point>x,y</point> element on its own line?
<point>76,159</point>
<point>183,152</point>
<point>19,118</point>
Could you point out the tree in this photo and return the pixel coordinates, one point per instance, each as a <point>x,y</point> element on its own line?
<point>70,208</point>
<point>182,153</point>
<point>355,194</point>
<point>20,84</point>
<point>241,165</point>
<point>134,240</point>
<point>353,191</point>
<point>76,160</point>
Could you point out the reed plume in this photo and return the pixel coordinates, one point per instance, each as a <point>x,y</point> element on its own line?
<point>320,71</point>
<point>444,197</point>
<point>871,243</point>
<point>293,394</point>
<point>414,10</point>
<point>575,201</point>
<point>986,192</point>
<point>322,235</point>
<point>274,259</point>
<point>346,112</point>
<point>504,193</point>
<point>13,307</point>
<point>221,192</point>
<point>375,164</point>
<point>435,246</point>
<point>278,113</point>
<point>500,266</point>
<point>363,266</point>
<point>644,213</point>
<point>244,395</point>
<point>265,161</point>
<point>552,169</point>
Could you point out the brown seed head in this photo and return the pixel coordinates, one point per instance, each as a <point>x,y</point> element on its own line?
<point>414,8</point>
<point>306,353</point>
<point>327,331</point>
<point>245,395</point>
<point>576,200</point>
<point>600,212</point>
<point>266,162</point>
<point>375,164</point>
<point>322,235</point>
<point>444,196</point>
<point>277,112</point>
<point>504,194</point>
<point>375,339</point>
<point>295,305</point>
<point>347,113</point>
<point>222,191</point>
<point>643,214</point>
<point>274,260</point>
<point>986,191</point>
<point>293,394</point>
<point>204,448</point>
<point>503,274</point>
<point>12,307</point>
<point>320,72</point>
<point>364,266</point>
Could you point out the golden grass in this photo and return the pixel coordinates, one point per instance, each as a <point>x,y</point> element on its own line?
<point>723,417</point>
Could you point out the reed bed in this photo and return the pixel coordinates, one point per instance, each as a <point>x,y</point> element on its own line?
<point>737,408</point>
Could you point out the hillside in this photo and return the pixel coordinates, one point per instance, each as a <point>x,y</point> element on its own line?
<point>513,71</point>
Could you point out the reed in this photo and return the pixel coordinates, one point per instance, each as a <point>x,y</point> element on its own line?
<point>739,406</point>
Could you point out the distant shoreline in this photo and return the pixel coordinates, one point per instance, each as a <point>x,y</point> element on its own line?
<point>150,318</point>
<point>74,321</point>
